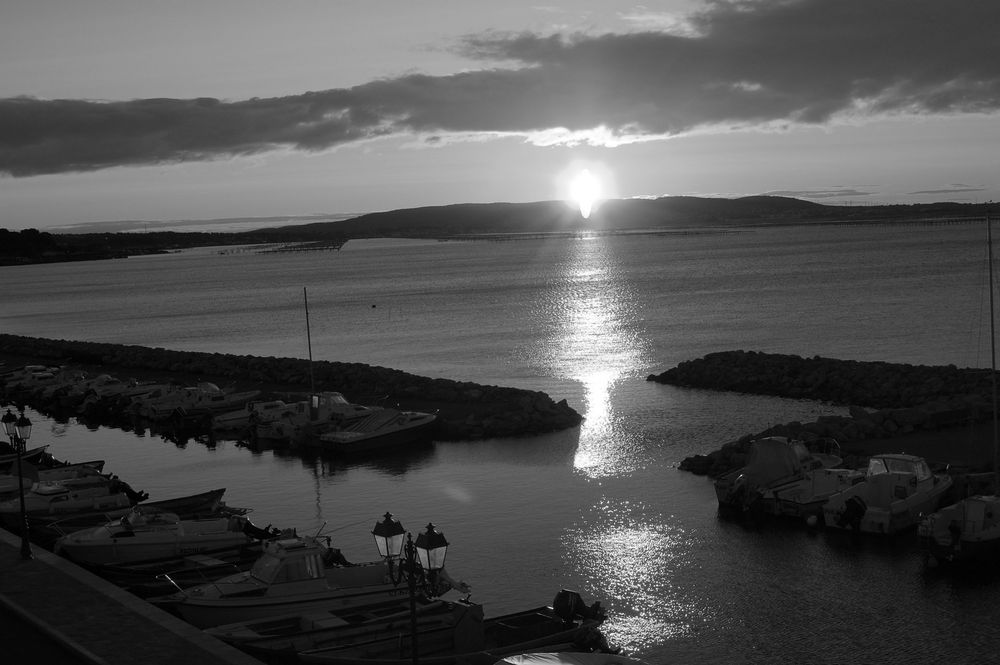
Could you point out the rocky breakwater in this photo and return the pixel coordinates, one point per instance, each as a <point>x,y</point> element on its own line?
<point>466,411</point>
<point>884,400</point>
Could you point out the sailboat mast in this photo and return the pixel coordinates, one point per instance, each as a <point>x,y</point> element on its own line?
<point>312,384</point>
<point>993,358</point>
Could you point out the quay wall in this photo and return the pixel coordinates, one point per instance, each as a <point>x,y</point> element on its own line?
<point>466,411</point>
<point>885,400</point>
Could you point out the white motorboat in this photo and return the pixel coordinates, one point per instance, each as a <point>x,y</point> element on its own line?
<point>254,412</point>
<point>897,491</point>
<point>305,420</point>
<point>293,575</point>
<point>783,477</point>
<point>384,428</point>
<point>966,532</point>
<point>187,401</point>
<point>57,498</point>
<point>145,534</point>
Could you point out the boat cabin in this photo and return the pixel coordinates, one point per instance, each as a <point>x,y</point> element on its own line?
<point>896,477</point>
<point>289,560</point>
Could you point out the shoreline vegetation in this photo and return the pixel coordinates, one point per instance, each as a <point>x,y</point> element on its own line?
<point>465,411</point>
<point>486,221</point>
<point>941,413</point>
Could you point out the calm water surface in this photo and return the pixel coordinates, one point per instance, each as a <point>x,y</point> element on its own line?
<point>601,509</point>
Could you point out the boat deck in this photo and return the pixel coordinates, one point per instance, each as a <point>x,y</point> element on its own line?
<point>83,619</point>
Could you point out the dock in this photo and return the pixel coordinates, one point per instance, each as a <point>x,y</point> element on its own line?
<point>55,612</point>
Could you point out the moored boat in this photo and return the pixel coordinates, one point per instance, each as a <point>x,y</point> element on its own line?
<point>305,420</point>
<point>569,658</point>
<point>70,475</point>
<point>386,428</point>
<point>783,477</point>
<point>291,633</point>
<point>897,491</point>
<point>253,412</point>
<point>566,625</point>
<point>57,499</point>
<point>146,534</point>
<point>298,574</point>
<point>966,532</point>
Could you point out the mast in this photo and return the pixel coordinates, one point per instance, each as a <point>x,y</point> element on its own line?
<point>312,384</point>
<point>993,357</point>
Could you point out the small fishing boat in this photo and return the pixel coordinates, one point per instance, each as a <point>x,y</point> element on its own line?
<point>897,491</point>
<point>146,534</point>
<point>291,633</point>
<point>34,456</point>
<point>385,428</point>
<point>293,575</point>
<point>48,528</point>
<point>569,658</point>
<point>11,483</point>
<point>566,625</point>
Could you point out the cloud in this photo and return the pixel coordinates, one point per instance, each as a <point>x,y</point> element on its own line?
<point>736,65</point>
<point>818,193</point>
<point>954,189</point>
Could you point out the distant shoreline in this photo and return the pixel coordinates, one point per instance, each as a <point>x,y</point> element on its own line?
<point>489,221</point>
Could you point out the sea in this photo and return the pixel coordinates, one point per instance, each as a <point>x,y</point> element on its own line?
<point>601,509</point>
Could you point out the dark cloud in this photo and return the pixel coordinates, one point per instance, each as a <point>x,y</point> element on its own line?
<point>738,64</point>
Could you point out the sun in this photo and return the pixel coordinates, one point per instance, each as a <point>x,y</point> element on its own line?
<point>585,190</point>
<point>585,185</point>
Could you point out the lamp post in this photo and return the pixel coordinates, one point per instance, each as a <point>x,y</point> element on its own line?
<point>19,431</point>
<point>420,560</point>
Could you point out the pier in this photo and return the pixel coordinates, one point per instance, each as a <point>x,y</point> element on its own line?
<point>56,613</point>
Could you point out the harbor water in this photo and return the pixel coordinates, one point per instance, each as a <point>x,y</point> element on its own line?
<point>601,509</point>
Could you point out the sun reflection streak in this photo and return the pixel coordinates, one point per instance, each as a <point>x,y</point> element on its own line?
<point>597,336</point>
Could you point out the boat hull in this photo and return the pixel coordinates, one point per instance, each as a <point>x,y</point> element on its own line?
<point>209,612</point>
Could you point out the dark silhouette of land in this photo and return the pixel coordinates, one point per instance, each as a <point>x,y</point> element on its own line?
<point>483,221</point>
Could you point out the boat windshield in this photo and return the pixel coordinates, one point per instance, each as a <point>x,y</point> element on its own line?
<point>265,567</point>
<point>273,570</point>
<point>880,465</point>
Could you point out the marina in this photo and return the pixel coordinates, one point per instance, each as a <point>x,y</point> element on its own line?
<point>605,508</point>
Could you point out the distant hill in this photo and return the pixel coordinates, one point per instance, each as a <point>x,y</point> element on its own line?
<point>675,212</point>
<point>464,220</point>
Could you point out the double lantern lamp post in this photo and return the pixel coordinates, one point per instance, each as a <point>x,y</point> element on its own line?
<point>419,561</point>
<point>18,430</point>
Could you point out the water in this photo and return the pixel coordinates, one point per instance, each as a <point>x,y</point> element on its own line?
<point>601,509</point>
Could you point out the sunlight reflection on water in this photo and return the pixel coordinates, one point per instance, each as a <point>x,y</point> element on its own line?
<point>594,338</point>
<point>635,550</point>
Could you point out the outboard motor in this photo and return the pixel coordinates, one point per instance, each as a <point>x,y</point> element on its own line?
<point>568,604</point>
<point>854,509</point>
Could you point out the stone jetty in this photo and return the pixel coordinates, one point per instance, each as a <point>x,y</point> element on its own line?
<point>466,411</point>
<point>884,400</point>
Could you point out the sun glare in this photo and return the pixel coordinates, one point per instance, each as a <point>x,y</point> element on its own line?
<point>585,189</point>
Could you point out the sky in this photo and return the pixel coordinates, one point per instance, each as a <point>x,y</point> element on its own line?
<point>207,109</point>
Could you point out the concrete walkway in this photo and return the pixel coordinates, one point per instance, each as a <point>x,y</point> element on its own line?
<point>84,620</point>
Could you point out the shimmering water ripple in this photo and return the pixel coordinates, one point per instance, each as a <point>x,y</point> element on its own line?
<point>601,509</point>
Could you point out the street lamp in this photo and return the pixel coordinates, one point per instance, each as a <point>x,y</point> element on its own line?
<point>417,561</point>
<point>19,431</point>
